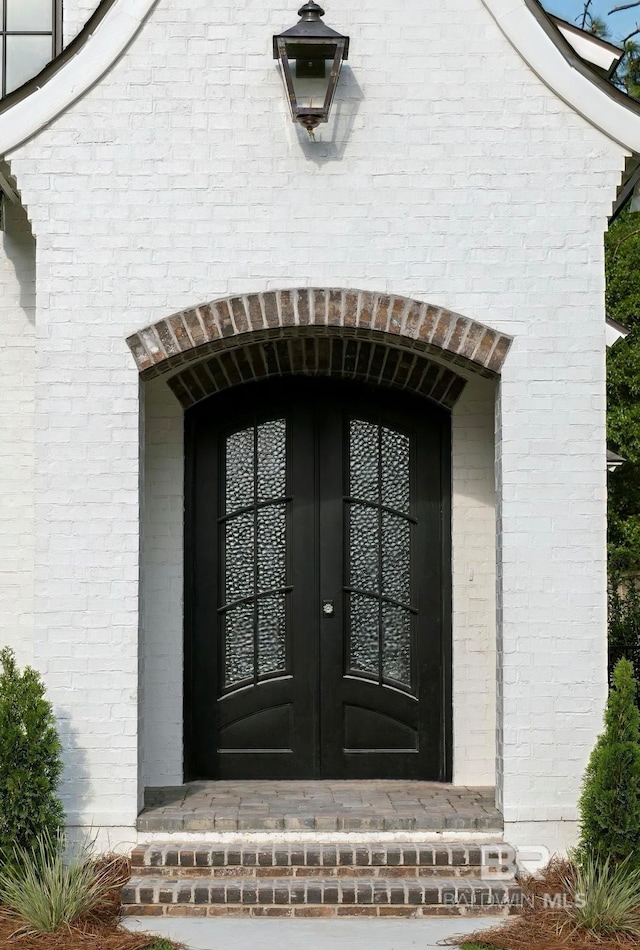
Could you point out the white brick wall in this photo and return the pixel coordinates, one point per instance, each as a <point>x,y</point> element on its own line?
<point>162,592</point>
<point>75,14</point>
<point>458,179</point>
<point>474,585</point>
<point>17,335</point>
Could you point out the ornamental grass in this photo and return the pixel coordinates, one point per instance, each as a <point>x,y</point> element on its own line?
<point>598,909</point>
<point>47,903</point>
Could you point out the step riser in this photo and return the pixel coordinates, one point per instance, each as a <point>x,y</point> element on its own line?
<point>309,872</point>
<point>167,826</point>
<point>437,857</point>
<point>320,892</point>
<point>172,910</point>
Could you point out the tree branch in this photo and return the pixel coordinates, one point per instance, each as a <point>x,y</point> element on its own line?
<point>622,240</point>
<point>625,6</point>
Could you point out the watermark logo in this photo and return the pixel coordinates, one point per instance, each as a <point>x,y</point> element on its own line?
<point>503,863</point>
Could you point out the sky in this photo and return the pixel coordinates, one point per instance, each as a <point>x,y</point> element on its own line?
<point>619,24</point>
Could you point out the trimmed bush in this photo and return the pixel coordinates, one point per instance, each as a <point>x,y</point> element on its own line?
<point>610,801</point>
<point>30,763</point>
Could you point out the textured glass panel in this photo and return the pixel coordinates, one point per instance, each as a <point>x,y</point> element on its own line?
<point>272,460</point>
<point>364,534</point>
<point>239,473</point>
<point>26,56</point>
<point>272,548</point>
<point>238,663</point>
<point>239,557</point>
<point>396,557</point>
<point>363,461</point>
<point>395,470</point>
<point>396,649</point>
<point>31,16</point>
<point>364,632</point>
<point>272,633</point>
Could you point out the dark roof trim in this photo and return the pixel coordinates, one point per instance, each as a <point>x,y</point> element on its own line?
<point>56,64</point>
<point>625,194</point>
<point>576,62</point>
<point>620,327</point>
<point>614,461</point>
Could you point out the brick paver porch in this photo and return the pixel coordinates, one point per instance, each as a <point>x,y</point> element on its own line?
<point>320,806</point>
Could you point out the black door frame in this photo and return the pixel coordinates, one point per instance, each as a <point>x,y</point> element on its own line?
<point>190,697</point>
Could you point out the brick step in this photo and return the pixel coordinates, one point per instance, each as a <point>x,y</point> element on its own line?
<point>300,859</point>
<point>260,873</point>
<point>320,896</point>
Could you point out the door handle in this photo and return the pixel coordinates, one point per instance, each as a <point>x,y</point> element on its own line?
<point>328,608</point>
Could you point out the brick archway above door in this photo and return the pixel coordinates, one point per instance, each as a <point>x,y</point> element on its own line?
<point>374,337</point>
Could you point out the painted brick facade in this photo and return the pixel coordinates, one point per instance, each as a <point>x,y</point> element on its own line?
<point>17,318</point>
<point>461,181</point>
<point>75,14</point>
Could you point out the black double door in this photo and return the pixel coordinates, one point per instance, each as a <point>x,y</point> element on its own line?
<point>317,584</point>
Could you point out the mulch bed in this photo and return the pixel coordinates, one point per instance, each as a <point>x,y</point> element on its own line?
<point>540,927</point>
<point>99,930</point>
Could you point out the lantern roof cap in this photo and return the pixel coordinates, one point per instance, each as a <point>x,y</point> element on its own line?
<point>311,27</point>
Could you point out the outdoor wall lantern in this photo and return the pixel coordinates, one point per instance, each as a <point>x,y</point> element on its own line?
<point>311,56</point>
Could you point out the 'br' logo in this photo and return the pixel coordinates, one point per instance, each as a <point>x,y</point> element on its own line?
<point>502,862</point>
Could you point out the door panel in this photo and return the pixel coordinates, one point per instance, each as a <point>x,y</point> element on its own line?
<point>316,532</point>
<point>267,729</point>
<point>367,730</point>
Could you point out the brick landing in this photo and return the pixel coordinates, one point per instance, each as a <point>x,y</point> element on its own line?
<point>319,806</point>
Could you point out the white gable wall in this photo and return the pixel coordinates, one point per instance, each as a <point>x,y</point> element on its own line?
<point>459,180</point>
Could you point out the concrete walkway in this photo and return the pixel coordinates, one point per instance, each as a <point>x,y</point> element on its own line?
<point>261,934</point>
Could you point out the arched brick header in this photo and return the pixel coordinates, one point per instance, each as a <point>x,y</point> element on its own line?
<point>317,355</point>
<point>354,334</point>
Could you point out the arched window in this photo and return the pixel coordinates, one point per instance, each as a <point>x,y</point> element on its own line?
<point>30,39</point>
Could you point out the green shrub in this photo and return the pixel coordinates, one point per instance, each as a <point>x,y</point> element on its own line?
<point>610,800</point>
<point>605,897</point>
<point>624,623</point>
<point>46,890</point>
<point>30,763</point>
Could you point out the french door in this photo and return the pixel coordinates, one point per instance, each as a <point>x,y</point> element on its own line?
<point>317,584</point>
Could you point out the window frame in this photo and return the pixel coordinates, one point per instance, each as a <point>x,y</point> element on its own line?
<point>56,42</point>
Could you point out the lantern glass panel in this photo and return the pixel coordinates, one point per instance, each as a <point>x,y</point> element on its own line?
<point>310,73</point>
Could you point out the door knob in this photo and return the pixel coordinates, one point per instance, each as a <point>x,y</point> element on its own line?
<point>328,608</point>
